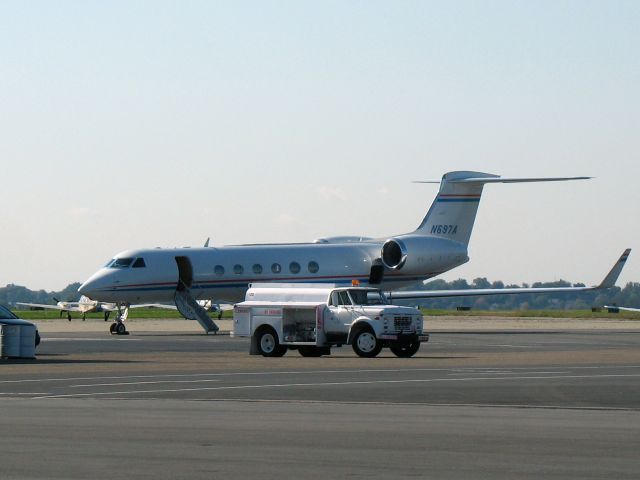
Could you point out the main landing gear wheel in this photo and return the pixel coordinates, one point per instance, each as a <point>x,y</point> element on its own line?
<point>268,345</point>
<point>365,343</point>
<point>405,350</point>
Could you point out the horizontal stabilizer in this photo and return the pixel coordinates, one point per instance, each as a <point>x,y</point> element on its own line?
<point>506,180</point>
<point>608,282</point>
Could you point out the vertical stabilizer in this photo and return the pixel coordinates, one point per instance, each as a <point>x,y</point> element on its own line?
<point>454,209</point>
<point>453,212</point>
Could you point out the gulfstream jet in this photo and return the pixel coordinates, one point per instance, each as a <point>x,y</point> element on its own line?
<point>185,275</point>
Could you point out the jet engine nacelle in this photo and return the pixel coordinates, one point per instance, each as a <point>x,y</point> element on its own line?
<point>416,252</point>
<point>394,254</point>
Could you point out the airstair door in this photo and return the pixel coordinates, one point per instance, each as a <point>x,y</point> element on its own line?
<point>185,273</point>
<point>185,303</point>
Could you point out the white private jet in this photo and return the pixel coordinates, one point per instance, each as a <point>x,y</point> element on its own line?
<point>184,275</point>
<point>84,305</point>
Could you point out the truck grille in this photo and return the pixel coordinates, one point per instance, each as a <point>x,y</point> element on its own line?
<point>402,323</point>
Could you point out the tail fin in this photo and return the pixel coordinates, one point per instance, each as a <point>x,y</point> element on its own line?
<point>454,209</point>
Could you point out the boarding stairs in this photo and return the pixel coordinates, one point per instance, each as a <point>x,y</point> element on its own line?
<point>191,309</point>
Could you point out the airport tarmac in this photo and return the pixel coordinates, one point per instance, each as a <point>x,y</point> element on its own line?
<point>480,400</point>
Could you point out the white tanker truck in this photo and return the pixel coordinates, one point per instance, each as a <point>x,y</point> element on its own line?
<point>312,318</point>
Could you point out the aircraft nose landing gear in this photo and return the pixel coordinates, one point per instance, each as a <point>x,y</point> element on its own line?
<point>118,327</point>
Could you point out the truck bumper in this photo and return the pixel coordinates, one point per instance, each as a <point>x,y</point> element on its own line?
<point>404,337</point>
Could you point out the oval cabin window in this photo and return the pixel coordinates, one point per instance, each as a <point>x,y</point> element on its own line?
<point>294,267</point>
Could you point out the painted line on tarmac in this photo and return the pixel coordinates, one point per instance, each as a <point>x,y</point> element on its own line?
<point>511,373</point>
<point>329,384</point>
<point>8,394</point>
<point>308,372</point>
<point>144,383</point>
<point>401,404</point>
<point>65,339</point>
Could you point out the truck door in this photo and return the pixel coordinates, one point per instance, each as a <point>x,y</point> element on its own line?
<point>342,312</point>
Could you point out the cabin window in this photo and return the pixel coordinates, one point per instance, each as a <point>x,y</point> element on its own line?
<point>257,268</point>
<point>294,267</point>
<point>313,267</point>
<point>276,268</point>
<point>238,269</point>
<point>139,263</point>
<point>219,270</point>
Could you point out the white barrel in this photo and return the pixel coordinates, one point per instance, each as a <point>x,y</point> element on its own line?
<point>10,341</point>
<point>27,341</point>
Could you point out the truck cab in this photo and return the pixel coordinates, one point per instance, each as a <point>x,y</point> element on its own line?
<point>313,318</point>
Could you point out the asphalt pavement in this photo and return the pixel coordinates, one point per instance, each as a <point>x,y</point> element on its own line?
<point>474,404</point>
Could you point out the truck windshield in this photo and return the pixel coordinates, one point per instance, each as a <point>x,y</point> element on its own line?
<point>367,297</point>
<point>6,313</point>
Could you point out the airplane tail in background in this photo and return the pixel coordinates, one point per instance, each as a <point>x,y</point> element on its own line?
<point>454,209</point>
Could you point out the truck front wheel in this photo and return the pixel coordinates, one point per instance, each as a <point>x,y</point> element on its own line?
<point>405,350</point>
<point>365,343</point>
<point>268,345</point>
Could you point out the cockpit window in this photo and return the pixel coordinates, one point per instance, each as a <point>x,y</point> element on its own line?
<point>120,263</point>
<point>6,313</point>
<point>139,263</point>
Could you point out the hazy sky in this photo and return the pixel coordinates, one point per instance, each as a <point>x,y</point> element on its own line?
<point>140,124</point>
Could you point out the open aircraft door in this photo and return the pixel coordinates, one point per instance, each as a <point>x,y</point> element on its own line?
<point>185,303</point>
<point>185,274</point>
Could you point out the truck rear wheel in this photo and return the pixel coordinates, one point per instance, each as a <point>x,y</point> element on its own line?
<point>365,343</point>
<point>268,345</point>
<point>405,350</point>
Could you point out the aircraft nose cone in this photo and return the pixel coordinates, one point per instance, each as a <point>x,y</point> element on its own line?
<point>87,289</point>
<point>94,286</point>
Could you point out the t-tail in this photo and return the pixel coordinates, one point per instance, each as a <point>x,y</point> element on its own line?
<point>454,209</point>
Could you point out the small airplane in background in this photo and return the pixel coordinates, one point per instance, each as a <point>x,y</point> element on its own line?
<point>84,305</point>
<point>439,243</point>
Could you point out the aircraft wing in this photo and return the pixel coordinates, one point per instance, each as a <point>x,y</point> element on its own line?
<point>48,306</point>
<point>608,282</point>
<point>627,309</point>
<point>107,307</point>
<point>170,306</point>
<point>166,306</point>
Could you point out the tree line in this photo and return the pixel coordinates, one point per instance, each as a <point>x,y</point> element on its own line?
<point>11,294</point>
